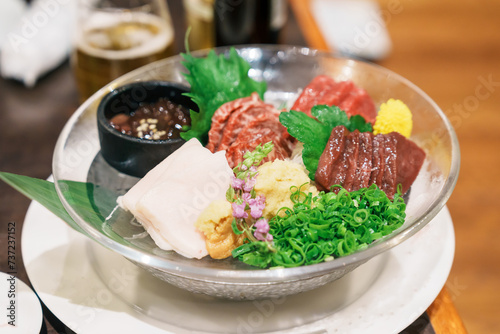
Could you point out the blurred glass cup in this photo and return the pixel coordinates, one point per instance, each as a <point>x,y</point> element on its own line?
<point>200,18</point>
<point>114,37</point>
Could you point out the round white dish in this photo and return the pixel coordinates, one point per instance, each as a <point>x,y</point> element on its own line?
<point>20,306</point>
<point>62,267</point>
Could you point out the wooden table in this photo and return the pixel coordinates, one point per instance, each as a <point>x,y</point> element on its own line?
<point>448,48</point>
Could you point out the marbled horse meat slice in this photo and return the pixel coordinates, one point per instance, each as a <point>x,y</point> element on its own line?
<point>260,130</point>
<point>344,94</point>
<point>356,160</point>
<point>243,116</point>
<point>221,116</point>
<point>240,125</point>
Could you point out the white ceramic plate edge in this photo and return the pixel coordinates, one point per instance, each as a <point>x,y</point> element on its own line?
<point>411,280</point>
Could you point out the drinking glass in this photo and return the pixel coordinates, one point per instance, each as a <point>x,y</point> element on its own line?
<point>114,37</point>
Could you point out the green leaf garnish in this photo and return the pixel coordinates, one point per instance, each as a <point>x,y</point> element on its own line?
<point>215,80</point>
<point>91,202</point>
<point>314,133</point>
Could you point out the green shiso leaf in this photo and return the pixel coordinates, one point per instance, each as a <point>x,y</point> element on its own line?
<point>314,133</point>
<point>91,202</point>
<point>215,80</point>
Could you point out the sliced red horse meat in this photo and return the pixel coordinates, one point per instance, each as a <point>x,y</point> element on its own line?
<point>409,155</point>
<point>388,184</point>
<point>344,94</point>
<point>260,130</point>
<point>330,157</point>
<point>244,116</point>
<point>351,153</point>
<point>222,115</point>
<point>356,160</point>
<point>240,125</point>
<point>364,163</point>
<point>378,161</point>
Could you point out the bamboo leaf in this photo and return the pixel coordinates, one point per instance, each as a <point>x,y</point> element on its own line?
<point>92,203</point>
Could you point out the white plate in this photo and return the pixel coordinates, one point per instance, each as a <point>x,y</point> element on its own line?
<point>21,309</point>
<point>67,271</point>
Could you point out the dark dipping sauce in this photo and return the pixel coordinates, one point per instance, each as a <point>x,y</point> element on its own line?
<point>155,121</point>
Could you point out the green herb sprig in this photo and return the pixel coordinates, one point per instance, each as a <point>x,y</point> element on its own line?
<point>246,205</point>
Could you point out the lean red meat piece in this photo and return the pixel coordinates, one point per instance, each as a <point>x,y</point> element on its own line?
<point>364,164</point>
<point>344,94</point>
<point>330,158</point>
<point>388,184</point>
<point>351,153</point>
<point>409,155</point>
<point>356,160</point>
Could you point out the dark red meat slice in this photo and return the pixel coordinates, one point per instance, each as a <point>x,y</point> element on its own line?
<point>357,160</point>
<point>364,164</point>
<point>325,90</point>
<point>410,159</point>
<point>388,183</point>
<point>351,153</point>
<point>378,161</point>
<point>333,152</point>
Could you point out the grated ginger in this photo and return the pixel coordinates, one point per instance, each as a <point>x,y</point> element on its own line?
<point>215,223</point>
<point>393,115</point>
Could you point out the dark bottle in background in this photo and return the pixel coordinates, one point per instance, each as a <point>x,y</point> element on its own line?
<point>249,21</point>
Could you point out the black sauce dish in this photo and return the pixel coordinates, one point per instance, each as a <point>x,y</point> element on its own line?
<point>133,155</point>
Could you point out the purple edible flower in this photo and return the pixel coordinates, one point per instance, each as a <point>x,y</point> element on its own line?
<point>262,225</point>
<point>239,210</point>
<point>249,184</point>
<point>237,183</point>
<point>257,204</point>
<point>262,229</point>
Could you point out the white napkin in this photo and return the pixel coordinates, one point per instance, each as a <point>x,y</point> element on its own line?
<point>39,42</point>
<point>11,12</point>
<point>353,27</point>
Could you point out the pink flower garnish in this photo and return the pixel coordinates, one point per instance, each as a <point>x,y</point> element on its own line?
<point>249,184</point>
<point>239,210</point>
<point>262,226</point>
<point>262,229</point>
<point>257,204</point>
<point>237,183</point>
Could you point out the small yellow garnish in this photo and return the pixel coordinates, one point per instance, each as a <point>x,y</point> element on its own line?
<point>393,115</point>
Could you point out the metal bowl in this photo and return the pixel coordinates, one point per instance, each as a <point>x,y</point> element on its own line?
<point>286,69</point>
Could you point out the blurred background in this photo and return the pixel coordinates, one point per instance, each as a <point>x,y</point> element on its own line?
<point>449,48</point>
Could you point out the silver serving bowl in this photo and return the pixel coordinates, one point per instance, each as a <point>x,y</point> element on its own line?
<point>286,69</point>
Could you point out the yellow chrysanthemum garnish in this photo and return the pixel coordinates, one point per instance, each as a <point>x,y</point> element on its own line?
<point>393,115</point>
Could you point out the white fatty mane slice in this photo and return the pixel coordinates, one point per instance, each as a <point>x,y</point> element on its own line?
<point>168,200</point>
